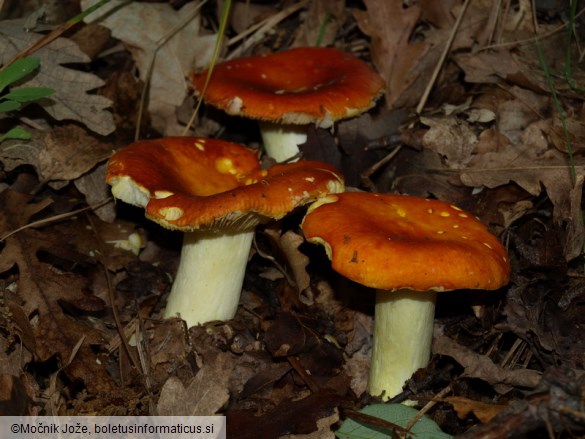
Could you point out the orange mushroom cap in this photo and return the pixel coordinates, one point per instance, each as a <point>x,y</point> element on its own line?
<point>391,242</point>
<point>296,86</point>
<point>188,183</point>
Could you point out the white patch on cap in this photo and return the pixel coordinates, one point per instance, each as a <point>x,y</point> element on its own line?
<point>235,105</point>
<point>171,213</point>
<point>159,195</point>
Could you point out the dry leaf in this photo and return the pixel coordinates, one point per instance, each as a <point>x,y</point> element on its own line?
<point>482,411</point>
<point>141,26</point>
<point>92,186</point>
<point>323,19</point>
<point>14,398</point>
<point>43,289</point>
<point>480,366</point>
<point>521,64</point>
<point>296,262</point>
<point>453,139</point>
<point>575,133</point>
<point>300,416</point>
<point>244,14</point>
<point>533,165</point>
<point>390,26</point>
<point>71,100</point>
<point>204,395</point>
<point>324,428</point>
<point>438,13</point>
<point>489,67</point>
<point>58,155</point>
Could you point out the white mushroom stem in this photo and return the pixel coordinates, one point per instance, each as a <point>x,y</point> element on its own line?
<point>281,140</point>
<point>403,332</point>
<point>209,279</point>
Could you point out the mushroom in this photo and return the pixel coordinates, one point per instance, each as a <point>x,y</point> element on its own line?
<point>408,249</point>
<point>216,193</point>
<point>288,90</point>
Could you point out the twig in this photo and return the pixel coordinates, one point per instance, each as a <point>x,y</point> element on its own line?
<point>365,176</point>
<point>55,218</point>
<point>111,297</point>
<point>159,44</point>
<point>439,66</point>
<point>263,27</point>
<point>220,33</point>
<point>531,40</point>
<point>429,405</point>
<point>267,23</point>
<point>308,379</point>
<point>52,36</point>
<point>374,421</point>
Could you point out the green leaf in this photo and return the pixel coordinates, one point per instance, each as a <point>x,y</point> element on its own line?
<point>15,134</point>
<point>29,94</point>
<point>17,70</point>
<point>397,414</point>
<point>9,106</point>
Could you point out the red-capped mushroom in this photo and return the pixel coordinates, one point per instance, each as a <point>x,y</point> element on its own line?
<point>216,192</point>
<point>288,90</point>
<point>408,249</point>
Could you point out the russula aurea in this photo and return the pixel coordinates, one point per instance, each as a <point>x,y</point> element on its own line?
<point>408,249</point>
<point>216,193</point>
<point>288,90</point>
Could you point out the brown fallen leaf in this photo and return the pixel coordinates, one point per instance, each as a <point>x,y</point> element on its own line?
<point>71,100</point>
<point>42,289</point>
<point>518,64</point>
<point>532,164</point>
<point>290,259</point>
<point>390,26</point>
<point>479,366</point>
<point>204,395</point>
<point>555,407</point>
<point>245,14</point>
<point>92,185</point>
<point>58,155</point>
<point>297,261</point>
<point>554,330</point>
<point>324,429</point>
<point>323,18</point>
<point>289,417</point>
<point>141,26</point>
<point>14,400</point>
<point>17,326</point>
<point>438,13</point>
<point>453,139</point>
<point>289,335</point>
<point>491,67</point>
<point>481,410</point>
<point>264,380</point>
<point>575,133</point>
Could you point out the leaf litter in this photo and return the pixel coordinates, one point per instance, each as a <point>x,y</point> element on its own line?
<point>80,315</point>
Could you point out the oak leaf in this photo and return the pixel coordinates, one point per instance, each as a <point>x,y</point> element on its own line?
<point>71,100</point>
<point>43,289</point>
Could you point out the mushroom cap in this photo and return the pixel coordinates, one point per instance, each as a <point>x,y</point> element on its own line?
<point>297,86</point>
<point>189,183</point>
<point>391,242</point>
